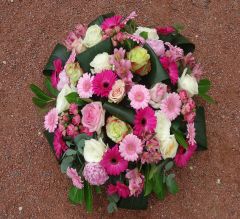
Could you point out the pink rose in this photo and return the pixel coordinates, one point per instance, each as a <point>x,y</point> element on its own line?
<point>157,93</point>
<point>93,116</point>
<point>118,91</point>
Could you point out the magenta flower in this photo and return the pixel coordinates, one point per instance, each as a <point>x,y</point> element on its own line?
<point>57,63</point>
<point>73,109</point>
<point>76,179</point>
<point>171,106</point>
<point>112,161</point>
<point>145,121</point>
<point>103,82</point>
<point>111,23</point>
<point>165,30</point>
<point>51,120</point>
<point>58,144</point>
<point>121,189</point>
<point>130,147</point>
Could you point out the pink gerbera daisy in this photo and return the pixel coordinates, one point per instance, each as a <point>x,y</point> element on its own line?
<point>51,120</point>
<point>171,106</point>
<point>130,147</point>
<point>112,22</point>
<point>139,96</point>
<point>145,121</point>
<point>84,86</point>
<point>112,161</point>
<point>103,82</point>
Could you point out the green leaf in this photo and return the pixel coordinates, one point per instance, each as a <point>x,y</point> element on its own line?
<point>121,112</point>
<point>66,162</point>
<point>144,35</point>
<point>50,137</point>
<point>88,197</point>
<point>183,43</point>
<point>171,184</point>
<point>101,18</point>
<point>79,140</point>
<point>148,187</point>
<point>204,86</point>
<point>75,195</point>
<point>200,126</point>
<point>50,88</point>
<point>87,56</point>
<point>169,166</point>
<point>74,98</point>
<point>113,198</point>
<point>178,27</point>
<point>39,102</point>
<point>130,27</point>
<point>180,138</point>
<point>60,51</point>
<point>157,73</point>
<point>98,189</point>
<point>112,206</point>
<point>39,93</point>
<point>158,186</point>
<point>207,98</point>
<point>70,152</point>
<point>137,203</point>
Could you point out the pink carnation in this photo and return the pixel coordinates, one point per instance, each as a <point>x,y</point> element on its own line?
<point>58,144</point>
<point>76,179</point>
<point>51,120</point>
<point>95,174</point>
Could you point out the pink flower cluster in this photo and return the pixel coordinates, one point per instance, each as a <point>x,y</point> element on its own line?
<point>188,107</point>
<point>120,188</point>
<point>136,182</point>
<point>76,179</point>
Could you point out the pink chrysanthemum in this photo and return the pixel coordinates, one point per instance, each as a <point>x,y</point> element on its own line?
<point>95,174</point>
<point>171,106</point>
<point>76,179</point>
<point>112,22</point>
<point>145,121</point>
<point>121,189</point>
<point>112,161</point>
<point>84,86</point>
<point>191,133</point>
<point>139,96</point>
<point>58,144</point>
<point>183,156</point>
<point>130,147</point>
<point>103,82</point>
<point>51,120</point>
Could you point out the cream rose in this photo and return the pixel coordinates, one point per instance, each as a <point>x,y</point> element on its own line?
<point>100,63</point>
<point>163,126</point>
<point>169,147</point>
<point>118,91</point>
<point>188,83</point>
<point>93,150</point>
<point>62,104</point>
<point>93,36</point>
<point>152,33</point>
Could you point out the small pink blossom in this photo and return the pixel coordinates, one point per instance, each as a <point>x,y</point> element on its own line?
<point>191,133</point>
<point>165,30</point>
<point>136,182</point>
<point>189,60</point>
<point>73,109</point>
<point>183,96</point>
<point>76,179</point>
<point>51,120</point>
<point>72,130</point>
<point>121,189</point>
<point>57,63</point>
<point>157,93</point>
<point>76,120</point>
<point>197,72</point>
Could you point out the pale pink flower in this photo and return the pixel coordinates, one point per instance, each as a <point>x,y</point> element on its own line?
<point>157,46</point>
<point>51,120</point>
<point>197,72</point>
<point>84,87</point>
<point>174,53</point>
<point>136,182</point>
<point>130,147</point>
<point>157,93</point>
<point>191,133</point>
<point>171,106</point>
<point>76,179</point>
<point>139,96</point>
<point>189,60</point>
<point>63,80</point>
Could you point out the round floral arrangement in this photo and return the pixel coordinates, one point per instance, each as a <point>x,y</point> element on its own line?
<point>122,109</point>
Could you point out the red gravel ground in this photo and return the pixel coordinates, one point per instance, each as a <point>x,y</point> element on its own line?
<point>31,183</point>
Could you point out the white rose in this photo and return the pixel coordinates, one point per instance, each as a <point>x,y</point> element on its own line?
<point>118,91</point>
<point>93,150</point>
<point>163,126</point>
<point>62,103</point>
<point>93,36</point>
<point>157,93</point>
<point>188,83</point>
<point>100,63</point>
<point>169,147</point>
<point>152,33</point>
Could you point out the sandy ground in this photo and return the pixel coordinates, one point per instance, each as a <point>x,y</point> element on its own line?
<point>31,183</point>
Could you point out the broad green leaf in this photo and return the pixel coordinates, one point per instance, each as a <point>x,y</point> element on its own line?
<point>112,206</point>
<point>169,166</point>
<point>50,137</point>
<point>113,198</point>
<point>61,52</point>
<point>50,88</point>
<point>75,195</point>
<point>101,18</point>
<point>87,56</point>
<point>66,162</point>
<point>70,152</point>
<point>204,86</point>
<point>157,73</point>
<point>148,186</point>
<point>39,93</point>
<point>98,189</point>
<point>130,27</point>
<point>39,102</point>
<point>159,186</point>
<point>180,138</point>
<point>183,43</point>
<point>144,35</point>
<point>137,203</point>
<point>121,112</point>
<point>171,184</point>
<point>200,126</point>
<point>74,98</point>
<point>207,98</point>
<point>88,197</point>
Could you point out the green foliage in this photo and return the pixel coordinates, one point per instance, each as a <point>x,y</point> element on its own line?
<point>74,98</point>
<point>144,35</point>
<point>88,196</point>
<point>79,140</point>
<point>75,195</point>
<point>130,27</point>
<point>171,184</point>
<point>200,126</point>
<point>121,112</point>
<point>180,138</point>
<point>66,162</point>
<point>112,206</point>
<point>50,88</point>
<point>203,87</point>
<point>50,137</point>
